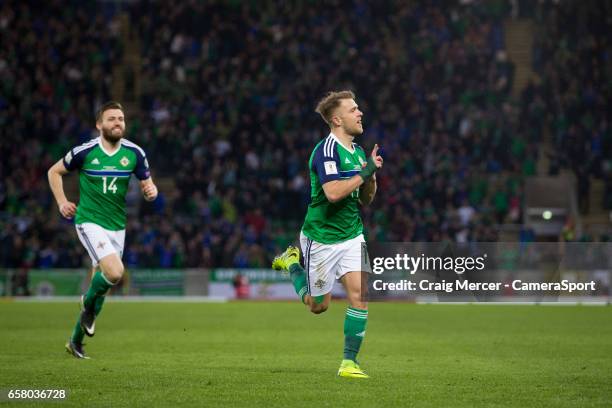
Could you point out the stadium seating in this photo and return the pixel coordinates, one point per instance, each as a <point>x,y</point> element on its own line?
<point>224,106</point>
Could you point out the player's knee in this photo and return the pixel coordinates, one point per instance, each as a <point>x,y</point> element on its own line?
<point>318,309</point>
<point>113,277</point>
<point>113,273</point>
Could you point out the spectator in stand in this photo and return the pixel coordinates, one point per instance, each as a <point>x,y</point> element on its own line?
<point>226,89</point>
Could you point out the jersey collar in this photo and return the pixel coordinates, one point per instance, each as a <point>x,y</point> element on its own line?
<point>340,143</point>
<point>109,154</point>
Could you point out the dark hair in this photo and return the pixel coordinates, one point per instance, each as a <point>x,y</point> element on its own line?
<point>107,106</point>
<point>330,102</point>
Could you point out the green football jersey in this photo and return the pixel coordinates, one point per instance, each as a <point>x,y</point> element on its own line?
<point>327,222</point>
<point>104,179</point>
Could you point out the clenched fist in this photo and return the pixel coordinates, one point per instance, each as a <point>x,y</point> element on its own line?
<point>67,209</point>
<point>149,191</point>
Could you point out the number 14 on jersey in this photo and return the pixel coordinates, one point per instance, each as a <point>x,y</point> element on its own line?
<point>109,186</point>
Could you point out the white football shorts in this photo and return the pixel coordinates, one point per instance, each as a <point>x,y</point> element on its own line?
<point>100,242</point>
<point>324,263</point>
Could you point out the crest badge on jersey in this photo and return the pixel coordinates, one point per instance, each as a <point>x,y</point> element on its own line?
<point>361,161</point>
<point>124,161</point>
<point>330,167</point>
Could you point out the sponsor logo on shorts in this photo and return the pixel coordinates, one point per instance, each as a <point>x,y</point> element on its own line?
<point>320,284</point>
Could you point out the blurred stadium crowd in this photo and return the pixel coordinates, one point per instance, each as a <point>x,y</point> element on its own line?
<point>227,111</point>
<point>572,98</point>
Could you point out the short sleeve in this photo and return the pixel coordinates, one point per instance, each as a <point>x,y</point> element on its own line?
<point>325,162</point>
<point>74,159</point>
<point>141,171</point>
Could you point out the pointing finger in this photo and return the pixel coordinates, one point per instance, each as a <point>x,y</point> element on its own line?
<point>375,150</point>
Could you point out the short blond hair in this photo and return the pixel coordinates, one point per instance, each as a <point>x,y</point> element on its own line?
<point>330,102</point>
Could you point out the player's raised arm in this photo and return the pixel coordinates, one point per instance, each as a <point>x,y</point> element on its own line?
<point>368,190</point>
<point>338,189</point>
<point>335,190</point>
<point>55,173</point>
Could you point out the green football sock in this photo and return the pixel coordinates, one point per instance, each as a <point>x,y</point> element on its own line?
<point>354,330</point>
<point>98,287</point>
<point>98,305</point>
<point>298,278</point>
<point>77,333</point>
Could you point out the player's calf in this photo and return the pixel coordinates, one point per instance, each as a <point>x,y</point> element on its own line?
<point>355,300</point>
<point>356,318</point>
<point>87,318</point>
<point>111,273</point>
<point>289,261</point>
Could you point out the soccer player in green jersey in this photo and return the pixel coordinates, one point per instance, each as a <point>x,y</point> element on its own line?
<point>341,178</point>
<point>105,165</point>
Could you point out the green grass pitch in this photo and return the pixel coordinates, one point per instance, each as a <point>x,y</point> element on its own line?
<point>278,355</point>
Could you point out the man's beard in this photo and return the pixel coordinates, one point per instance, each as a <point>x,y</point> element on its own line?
<point>355,131</point>
<point>110,137</point>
